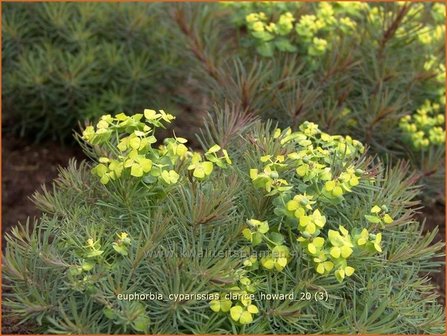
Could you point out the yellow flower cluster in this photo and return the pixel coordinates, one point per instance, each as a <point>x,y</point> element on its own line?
<point>379,215</point>
<point>309,172</point>
<point>312,160</point>
<point>425,127</point>
<point>237,302</point>
<point>312,32</point>
<point>128,141</point>
<point>121,244</point>
<point>430,35</point>
<point>271,35</point>
<point>257,233</point>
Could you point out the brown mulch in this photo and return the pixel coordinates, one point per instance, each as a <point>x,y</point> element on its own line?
<point>435,217</point>
<point>25,168</point>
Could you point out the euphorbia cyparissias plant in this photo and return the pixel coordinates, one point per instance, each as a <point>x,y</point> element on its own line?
<point>128,141</point>
<point>198,238</point>
<point>352,67</point>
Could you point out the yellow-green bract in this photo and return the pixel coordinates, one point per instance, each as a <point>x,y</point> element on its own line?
<point>127,142</point>
<point>313,160</point>
<point>425,127</point>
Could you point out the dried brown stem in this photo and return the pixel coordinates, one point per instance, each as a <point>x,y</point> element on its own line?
<point>194,43</point>
<point>389,32</point>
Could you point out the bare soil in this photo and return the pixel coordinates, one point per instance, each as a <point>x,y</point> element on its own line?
<point>435,217</point>
<point>25,168</point>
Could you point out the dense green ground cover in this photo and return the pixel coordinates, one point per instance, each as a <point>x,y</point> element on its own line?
<point>297,189</point>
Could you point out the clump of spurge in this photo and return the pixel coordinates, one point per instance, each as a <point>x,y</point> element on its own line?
<point>296,212</point>
<point>316,173</point>
<point>129,144</point>
<point>301,199</point>
<point>424,128</point>
<point>310,32</point>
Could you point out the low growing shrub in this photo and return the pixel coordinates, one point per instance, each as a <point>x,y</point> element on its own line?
<point>69,62</point>
<point>353,68</point>
<point>267,231</point>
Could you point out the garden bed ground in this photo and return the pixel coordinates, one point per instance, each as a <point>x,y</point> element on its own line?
<point>28,166</point>
<point>25,167</point>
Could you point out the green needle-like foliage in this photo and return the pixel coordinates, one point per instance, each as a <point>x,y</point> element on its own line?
<point>353,68</point>
<point>65,63</point>
<point>305,216</point>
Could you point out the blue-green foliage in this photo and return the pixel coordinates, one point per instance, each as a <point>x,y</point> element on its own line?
<point>68,62</point>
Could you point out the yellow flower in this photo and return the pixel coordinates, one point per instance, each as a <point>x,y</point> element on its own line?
<point>90,242</point>
<point>221,305</point>
<point>243,315</point>
<point>342,245</point>
<point>201,169</point>
<point>257,26</point>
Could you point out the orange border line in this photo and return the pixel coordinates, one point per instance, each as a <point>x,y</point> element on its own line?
<point>176,1</point>
<point>216,1</point>
<point>445,165</point>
